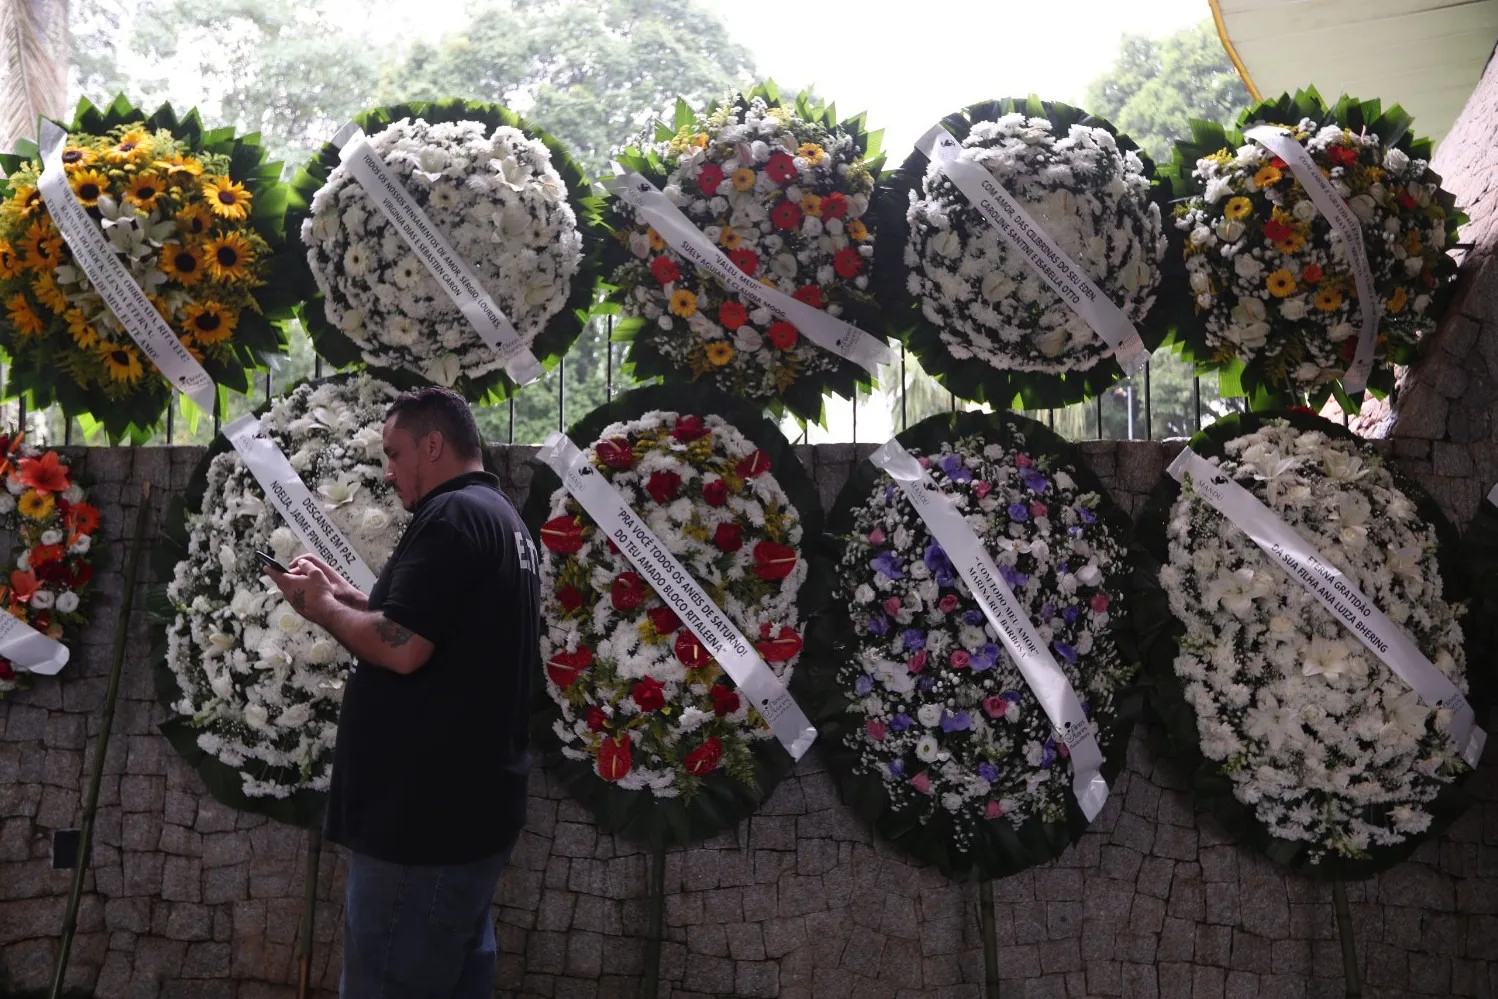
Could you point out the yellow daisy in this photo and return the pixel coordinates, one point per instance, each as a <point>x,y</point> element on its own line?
<point>1397,301</point>
<point>133,145</point>
<point>1292,243</point>
<point>82,331</point>
<point>656,242</point>
<point>730,238</point>
<point>121,362</point>
<point>1238,208</point>
<point>209,322</point>
<point>1328,300</point>
<point>742,179</point>
<point>182,264</point>
<point>811,205</point>
<point>1268,174</point>
<point>856,230</point>
<point>719,353</point>
<point>228,257</point>
<point>22,317</point>
<point>811,153</point>
<point>683,303</point>
<point>145,190</point>
<point>1280,283</point>
<point>227,199</point>
<point>89,185</point>
<point>34,505</point>
<point>44,287</point>
<point>10,261</point>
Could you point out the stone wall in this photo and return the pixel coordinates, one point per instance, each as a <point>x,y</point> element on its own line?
<point>190,899</point>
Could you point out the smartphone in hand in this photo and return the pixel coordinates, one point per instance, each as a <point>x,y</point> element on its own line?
<point>270,563</point>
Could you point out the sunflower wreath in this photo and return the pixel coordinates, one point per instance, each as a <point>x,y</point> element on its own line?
<point>254,690</point>
<point>785,190</point>
<point>926,722</point>
<point>196,215</point>
<point>515,207</point>
<point>1274,303</point>
<point>1309,748</point>
<point>639,722</point>
<point>43,505</point>
<point>977,315</point>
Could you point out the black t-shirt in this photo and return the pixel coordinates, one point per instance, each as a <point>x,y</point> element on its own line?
<point>430,768</point>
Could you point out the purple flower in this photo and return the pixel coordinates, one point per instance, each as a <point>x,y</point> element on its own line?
<point>1065,652</point>
<point>1088,517</point>
<point>973,617</point>
<point>955,470</point>
<point>1075,531</point>
<point>988,771</point>
<point>926,682</point>
<point>879,624</point>
<point>936,558</point>
<point>985,658</point>
<point>1012,696</point>
<point>888,565</point>
<point>900,722</point>
<point>1034,481</point>
<point>1048,754</point>
<point>1062,570</point>
<point>890,492</point>
<point>1013,576</point>
<point>1047,611</point>
<point>1071,614</point>
<point>959,722</point>
<point>896,768</point>
<point>1018,511</point>
<point>914,639</point>
<point>863,685</point>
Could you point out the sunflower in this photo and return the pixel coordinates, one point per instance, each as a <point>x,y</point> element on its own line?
<point>134,145</point>
<point>1238,208</point>
<point>187,343</point>
<point>10,261</point>
<point>22,317</point>
<point>26,201</point>
<point>209,322</point>
<point>177,163</point>
<point>742,179</point>
<point>730,238</point>
<point>811,153</point>
<point>34,505</point>
<point>228,257</point>
<point>857,231</point>
<point>195,219</point>
<point>1280,283</point>
<point>719,353</point>
<point>228,199</point>
<point>811,205</point>
<point>121,362</point>
<point>78,157</point>
<point>82,331</point>
<point>44,287</point>
<point>145,190</point>
<point>1328,299</point>
<point>1291,244</point>
<point>683,303</point>
<point>89,186</point>
<point>182,264</point>
<point>1268,174</point>
<point>42,246</point>
<point>1397,301</point>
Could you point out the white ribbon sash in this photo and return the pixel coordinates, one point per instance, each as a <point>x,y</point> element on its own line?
<point>826,331</point>
<point>442,261</point>
<point>285,489</point>
<point>1493,495</point>
<point>680,591</point>
<point>113,281</point>
<point>1303,564</point>
<point>28,648</point>
<point>1015,630</point>
<point>1030,241</point>
<point>1278,140</point>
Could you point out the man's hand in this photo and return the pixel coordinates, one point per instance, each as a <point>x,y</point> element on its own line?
<point>343,591</point>
<point>309,590</point>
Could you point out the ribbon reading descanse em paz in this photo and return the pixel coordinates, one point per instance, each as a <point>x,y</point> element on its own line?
<point>427,241</point>
<point>287,492</point>
<point>1306,566</point>
<point>1029,652</point>
<point>826,331</point>
<point>28,648</point>
<point>113,281</point>
<point>1031,242</point>
<point>680,591</point>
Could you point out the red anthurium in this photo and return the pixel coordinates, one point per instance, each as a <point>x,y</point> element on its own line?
<point>690,652</point>
<point>570,597</point>
<point>563,535</point>
<point>782,648</point>
<point>728,537</point>
<point>616,452</point>
<point>628,591</point>
<point>834,206</point>
<point>774,561</point>
<point>754,464</point>
<point>715,493</point>
<point>649,694</point>
<point>663,620</point>
<point>732,314</point>
<point>689,428</point>
<point>663,486</point>
<point>596,718</point>
<point>810,294</point>
<point>744,259</point>
<point>725,700</point>
<point>705,758</point>
<point>847,262</point>
<point>564,668</point>
<point>614,757</point>
<point>781,168</point>
<point>664,270</point>
<point>709,178</point>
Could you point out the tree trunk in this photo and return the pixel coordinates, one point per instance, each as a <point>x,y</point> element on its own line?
<point>33,66</point>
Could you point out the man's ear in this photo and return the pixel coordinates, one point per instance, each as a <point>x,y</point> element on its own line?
<point>434,445</point>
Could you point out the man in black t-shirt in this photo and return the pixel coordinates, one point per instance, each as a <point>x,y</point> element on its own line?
<point>429,770</point>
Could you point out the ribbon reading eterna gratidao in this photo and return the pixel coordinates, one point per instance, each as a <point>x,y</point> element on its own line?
<point>1278,140</point>
<point>442,261</point>
<point>114,283</point>
<point>826,331</point>
<point>680,591</point>
<point>287,492</point>
<point>28,648</point>
<point>1036,664</point>
<point>1303,564</point>
<point>1032,243</point>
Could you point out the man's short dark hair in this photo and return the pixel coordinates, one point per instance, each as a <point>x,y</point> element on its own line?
<point>432,407</point>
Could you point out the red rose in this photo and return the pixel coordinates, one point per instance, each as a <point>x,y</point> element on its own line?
<point>782,648</point>
<point>563,535</point>
<point>628,591</point>
<point>613,757</point>
<point>725,700</point>
<point>664,270</point>
<point>709,179</point>
<point>616,452</point>
<point>785,215</point>
<point>596,718</point>
<point>649,694</point>
<point>715,493</point>
<point>690,652</point>
<point>1275,230</point>
<point>564,668</point>
<point>781,168</point>
<point>1310,273</point>
<point>753,465</point>
<point>54,572</point>
<point>729,537</point>
<point>783,335</point>
<point>7,673</point>
<point>1349,348</point>
<point>570,597</point>
<point>689,428</point>
<point>82,573</point>
<point>774,561</point>
<point>1342,156</point>
<point>847,262</point>
<point>705,758</point>
<point>745,260</point>
<point>663,486</point>
<point>810,294</point>
<point>834,206</point>
<point>1406,200</point>
<point>663,620</point>
<point>732,315</point>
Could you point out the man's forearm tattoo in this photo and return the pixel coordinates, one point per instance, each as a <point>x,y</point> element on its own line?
<point>298,600</point>
<point>391,633</point>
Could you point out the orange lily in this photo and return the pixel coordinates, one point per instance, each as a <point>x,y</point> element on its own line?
<point>46,474</point>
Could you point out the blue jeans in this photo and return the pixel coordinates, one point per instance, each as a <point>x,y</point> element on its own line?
<point>419,932</point>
